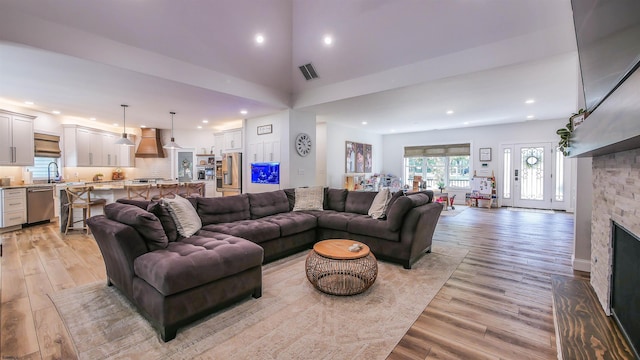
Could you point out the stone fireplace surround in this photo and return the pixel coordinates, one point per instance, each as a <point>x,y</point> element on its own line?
<point>616,196</point>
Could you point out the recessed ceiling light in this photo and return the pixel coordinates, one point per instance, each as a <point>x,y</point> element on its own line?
<point>393,130</point>
<point>57,112</point>
<point>28,102</point>
<point>259,38</point>
<point>364,123</point>
<point>143,126</point>
<point>243,112</point>
<point>529,101</point>
<point>449,112</point>
<point>328,40</point>
<point>530,116</point>
<point>92,119</point>
<point>199,127</point>
<point>466,123</point>
<point>115,124</point>
<point>205,121</point>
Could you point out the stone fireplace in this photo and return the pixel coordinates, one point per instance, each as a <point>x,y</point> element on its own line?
<point>616,198</point>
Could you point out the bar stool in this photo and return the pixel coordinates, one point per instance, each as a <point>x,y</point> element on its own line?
<point>79,197</point>
<point>138,191</point>
<point>194,189</point>
<point>168,190</point>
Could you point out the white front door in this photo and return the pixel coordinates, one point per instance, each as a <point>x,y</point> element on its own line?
<point>532,176</point>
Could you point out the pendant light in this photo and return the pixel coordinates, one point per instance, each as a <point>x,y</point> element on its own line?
<point>124,140</point>
<point>172,144</point>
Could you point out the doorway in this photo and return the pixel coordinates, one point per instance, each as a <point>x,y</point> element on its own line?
<point>533,176</point>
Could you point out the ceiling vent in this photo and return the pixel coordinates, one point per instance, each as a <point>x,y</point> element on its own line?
<point>308,71</point>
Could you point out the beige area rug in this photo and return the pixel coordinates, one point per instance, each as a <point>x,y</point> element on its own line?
<point>452,212</point>
<point>292,320</point>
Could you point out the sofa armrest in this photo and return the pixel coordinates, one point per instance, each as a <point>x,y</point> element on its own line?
<point>120,245</point>
<point>419,226</point>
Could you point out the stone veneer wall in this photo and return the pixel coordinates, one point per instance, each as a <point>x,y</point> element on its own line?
<point>616,196</point>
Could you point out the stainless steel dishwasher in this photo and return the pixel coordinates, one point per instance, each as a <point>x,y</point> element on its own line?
<point>40,204</point>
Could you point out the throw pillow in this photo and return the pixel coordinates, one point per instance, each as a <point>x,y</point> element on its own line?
<point>184,215</point>
<point>309,198</point>
<point>162,213</point>
<point>145,223</point>
<point>378,208</point>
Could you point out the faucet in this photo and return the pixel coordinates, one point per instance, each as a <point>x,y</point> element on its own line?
<point>57,174</point>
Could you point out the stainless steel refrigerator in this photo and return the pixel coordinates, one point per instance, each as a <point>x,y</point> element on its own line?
<point>231,174</point>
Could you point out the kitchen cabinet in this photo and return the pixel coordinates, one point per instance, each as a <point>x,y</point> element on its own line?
<point>264,151</point>
<point>218,141</point>
<point>13,207</point>
<point>228,141</point>
<point>85,147</point>
<point>16,135</point>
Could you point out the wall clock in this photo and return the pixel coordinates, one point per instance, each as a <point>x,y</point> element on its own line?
<point>303,144</point>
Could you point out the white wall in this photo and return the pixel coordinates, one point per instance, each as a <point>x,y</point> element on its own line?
<point>279,123</point>
<point>303,168</point>
<point>581,257</point>
<point>336,136</point>
<point>321,154</point>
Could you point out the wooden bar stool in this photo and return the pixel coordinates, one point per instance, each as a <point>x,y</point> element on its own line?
<point>194,189</point>
<point>135,191</point>
<point>168,190</point>
<point>79,197</point>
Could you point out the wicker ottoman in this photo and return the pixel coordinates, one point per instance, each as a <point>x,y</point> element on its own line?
<point>333,269</point>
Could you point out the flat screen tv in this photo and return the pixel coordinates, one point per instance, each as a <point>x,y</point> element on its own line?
<point>608,38</point>
<point>265,173</point>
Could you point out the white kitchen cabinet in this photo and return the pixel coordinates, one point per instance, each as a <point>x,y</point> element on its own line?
<point>218,141</point>
<point>92,147</point>
<point>210,188</point>
<point>233,140</point>
<point>264,151</point>
<point>13,207</point>
<point>16,135</point>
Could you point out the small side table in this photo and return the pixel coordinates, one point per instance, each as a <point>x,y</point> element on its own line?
<point>443,198</point>
<point>333,269</point>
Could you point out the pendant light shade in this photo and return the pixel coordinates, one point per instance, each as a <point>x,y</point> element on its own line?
<point>172,144</point>
<point>124,140</point>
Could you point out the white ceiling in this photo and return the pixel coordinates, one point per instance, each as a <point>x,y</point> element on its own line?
<point>399,65</point>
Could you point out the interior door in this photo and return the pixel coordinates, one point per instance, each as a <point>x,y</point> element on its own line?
<point>528,175</point>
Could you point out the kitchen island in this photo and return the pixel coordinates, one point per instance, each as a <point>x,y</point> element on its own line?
<point>108,190</point>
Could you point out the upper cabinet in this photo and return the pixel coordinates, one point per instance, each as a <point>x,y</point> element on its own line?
<point>228,141</point>
<point>92,147</point>
<point>16,135</point>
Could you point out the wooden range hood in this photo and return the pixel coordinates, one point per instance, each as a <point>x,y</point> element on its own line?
<point>150,144</point>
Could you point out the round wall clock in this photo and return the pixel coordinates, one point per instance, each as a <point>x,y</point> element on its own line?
<point>303,144</point>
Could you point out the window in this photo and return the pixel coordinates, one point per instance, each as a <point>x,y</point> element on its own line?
<point>442,164</point>
<point>40,166</point>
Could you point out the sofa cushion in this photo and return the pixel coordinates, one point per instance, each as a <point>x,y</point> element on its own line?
<point>397,211</point>
<point>378,208</point>
<point>142,204</point>
<point>310,198</point>
<point>291,196</point>
<point>293,222</point>
<point>267,203</point>
<point>367,226</point>
<point>419,199</point>
<point>394,197</point>
<point>336,199</point>
<point>145,223</point>
<point>184,215</point>
<point>196,261</point>
<point>334,220</point>
<point>161,212</point>
<point>359,202</point>
<point>257,231</point>
<point>223,209</point>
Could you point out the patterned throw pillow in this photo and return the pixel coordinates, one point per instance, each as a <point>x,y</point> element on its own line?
<point>309,198</point>
<point>184,215</point>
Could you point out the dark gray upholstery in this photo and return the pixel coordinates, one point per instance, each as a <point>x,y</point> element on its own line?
<point>221,263</point>
<point>143,221</point>
<point>162,213</point>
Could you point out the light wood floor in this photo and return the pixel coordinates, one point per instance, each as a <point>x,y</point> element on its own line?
<point>497,304</point>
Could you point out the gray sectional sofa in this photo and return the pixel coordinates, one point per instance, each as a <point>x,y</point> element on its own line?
<point>174,280</point>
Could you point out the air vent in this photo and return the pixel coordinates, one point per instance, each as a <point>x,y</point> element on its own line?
<point>308,71</point>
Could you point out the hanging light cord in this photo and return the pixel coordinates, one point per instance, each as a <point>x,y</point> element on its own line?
<point>124,118</point>
<point>172,113</point>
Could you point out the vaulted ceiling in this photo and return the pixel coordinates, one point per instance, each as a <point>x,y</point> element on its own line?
<point>398,65</point>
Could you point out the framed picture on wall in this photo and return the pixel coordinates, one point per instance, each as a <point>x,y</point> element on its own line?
<point>358,157</point>
<point>485,154</point>
<point>350,157</point>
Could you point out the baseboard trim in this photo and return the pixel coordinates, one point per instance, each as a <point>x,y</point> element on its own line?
<point>581,265</point>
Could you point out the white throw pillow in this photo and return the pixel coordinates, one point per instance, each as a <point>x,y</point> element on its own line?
<point>309,198</point>
<point>184,215</point>
<point>378,207</point>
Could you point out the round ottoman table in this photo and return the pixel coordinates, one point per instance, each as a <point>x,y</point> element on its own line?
<point>335,269</point>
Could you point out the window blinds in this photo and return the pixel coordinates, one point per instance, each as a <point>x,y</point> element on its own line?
<point>46,145</point>
<point>438,150</point>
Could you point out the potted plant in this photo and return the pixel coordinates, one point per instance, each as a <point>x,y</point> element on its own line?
<point>565,133</point>
<point>441,185</point>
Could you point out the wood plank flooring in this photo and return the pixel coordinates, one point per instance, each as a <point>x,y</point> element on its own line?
<point>497,304</point>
